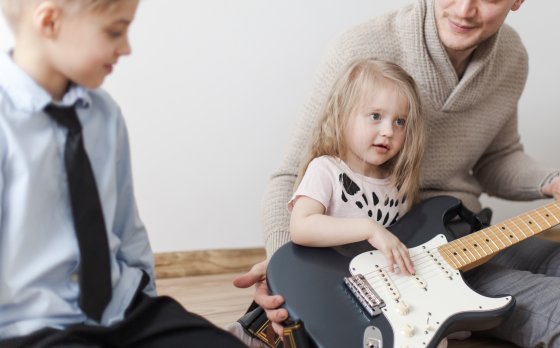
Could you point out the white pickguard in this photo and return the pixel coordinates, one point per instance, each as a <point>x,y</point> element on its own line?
<point>417,306</point>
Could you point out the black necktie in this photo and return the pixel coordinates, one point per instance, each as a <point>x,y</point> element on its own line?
<point>95,268</point>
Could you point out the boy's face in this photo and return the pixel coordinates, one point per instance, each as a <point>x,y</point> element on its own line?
<point>89,43</point>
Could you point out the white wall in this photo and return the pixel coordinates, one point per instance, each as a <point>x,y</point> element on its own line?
<point>214,87</point>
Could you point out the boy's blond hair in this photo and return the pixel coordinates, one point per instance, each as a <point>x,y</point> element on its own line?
<point>13,9</point>
<point>357,81</point>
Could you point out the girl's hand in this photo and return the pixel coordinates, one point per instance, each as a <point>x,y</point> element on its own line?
<point>392,248</point>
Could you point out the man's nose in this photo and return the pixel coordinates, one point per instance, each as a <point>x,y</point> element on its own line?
<point>465,8</point>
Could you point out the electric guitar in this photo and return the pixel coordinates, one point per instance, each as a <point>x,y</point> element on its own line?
<point>347,297</point>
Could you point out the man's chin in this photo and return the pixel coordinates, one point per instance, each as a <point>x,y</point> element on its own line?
<point>459,45</point>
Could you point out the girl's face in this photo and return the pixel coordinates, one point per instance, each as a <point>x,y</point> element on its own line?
<point>375,131</point>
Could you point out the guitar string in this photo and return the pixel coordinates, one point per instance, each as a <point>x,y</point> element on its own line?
<point>403,281</point>
<point>424,258</point>
<point>424,273</point>
<point>427,273</point>
<point>500,237</point>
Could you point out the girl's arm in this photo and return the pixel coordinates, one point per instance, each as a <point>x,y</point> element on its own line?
<point>309,226</point>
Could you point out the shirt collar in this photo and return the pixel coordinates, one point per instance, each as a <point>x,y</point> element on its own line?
<point>26,95</point>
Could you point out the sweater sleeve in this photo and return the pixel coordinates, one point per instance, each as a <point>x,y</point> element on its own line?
<point>506,171</point>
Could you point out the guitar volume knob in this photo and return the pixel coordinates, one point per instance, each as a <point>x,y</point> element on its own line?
<point>407,330</point>
<point>403,308</point>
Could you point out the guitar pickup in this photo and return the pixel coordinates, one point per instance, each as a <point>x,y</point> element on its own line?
<point>364,293</point>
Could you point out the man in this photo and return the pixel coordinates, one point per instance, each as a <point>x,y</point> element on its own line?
<point>471,69</point>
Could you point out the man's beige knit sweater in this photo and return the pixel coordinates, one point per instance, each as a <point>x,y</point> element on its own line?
<point>473,143</point>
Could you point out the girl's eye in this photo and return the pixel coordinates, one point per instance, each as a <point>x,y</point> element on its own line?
<point>375,116</point>
<point>400,122</point>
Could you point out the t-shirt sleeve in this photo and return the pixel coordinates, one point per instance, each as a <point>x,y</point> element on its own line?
<point>317,183</point>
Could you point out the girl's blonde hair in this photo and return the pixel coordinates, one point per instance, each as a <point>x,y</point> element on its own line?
<point>358,80</point>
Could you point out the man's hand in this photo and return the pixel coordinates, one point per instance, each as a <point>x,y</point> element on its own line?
<point>257,276</point>
<point>553,188</point>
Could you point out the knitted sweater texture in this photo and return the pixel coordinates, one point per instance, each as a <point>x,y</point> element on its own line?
<point>473,144</point>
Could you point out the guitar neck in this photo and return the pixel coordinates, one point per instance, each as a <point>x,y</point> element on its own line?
<point>476,248</point>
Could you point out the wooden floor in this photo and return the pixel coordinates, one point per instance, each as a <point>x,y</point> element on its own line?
<point>212,296</point>
<point>215,298</point>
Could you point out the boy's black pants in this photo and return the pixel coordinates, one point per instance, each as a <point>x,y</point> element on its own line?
<point>149,322</point>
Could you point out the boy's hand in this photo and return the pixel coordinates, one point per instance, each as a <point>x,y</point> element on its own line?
<point>270,303</point>
<point>392,248</point>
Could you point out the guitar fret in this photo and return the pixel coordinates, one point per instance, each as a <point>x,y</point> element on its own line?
<point>487,240</point>
<point>497,236</point>
<point>506,232</point>
<point>543,218</point>
<point>557,207</point>
<point>500,236</point>
<point>531,222</point>
<point>538,226</point>
<point>467,250</point>
<point>448,256</point>
<point>480,243</point>
<point>472,241</point>
<point>496,245</point>
<point>551,214</point>
<point>512,232</point>
<point>522,230</point>
<point>457,253</point>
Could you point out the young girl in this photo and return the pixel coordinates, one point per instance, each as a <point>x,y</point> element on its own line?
<point>363,163</point>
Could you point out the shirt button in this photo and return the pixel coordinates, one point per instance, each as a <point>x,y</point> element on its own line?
<point>74,277</point>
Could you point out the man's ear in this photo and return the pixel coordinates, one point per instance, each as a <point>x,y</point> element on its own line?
<point>516,5</point>
<point>46,19</point>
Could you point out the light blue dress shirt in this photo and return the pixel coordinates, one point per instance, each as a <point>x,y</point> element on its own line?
<point>39,254</point>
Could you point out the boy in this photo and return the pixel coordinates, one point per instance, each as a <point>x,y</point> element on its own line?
<point>76,267</point>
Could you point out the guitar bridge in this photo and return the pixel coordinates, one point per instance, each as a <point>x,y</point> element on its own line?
<point>364,293</point>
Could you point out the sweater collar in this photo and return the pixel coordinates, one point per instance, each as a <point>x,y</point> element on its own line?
<point>445,89</point>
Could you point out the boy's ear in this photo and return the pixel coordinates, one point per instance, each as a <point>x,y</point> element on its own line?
<point>517,4</point>
<point>46,18</point>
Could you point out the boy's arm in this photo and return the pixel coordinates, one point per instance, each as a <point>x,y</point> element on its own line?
<point>135,249</point>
